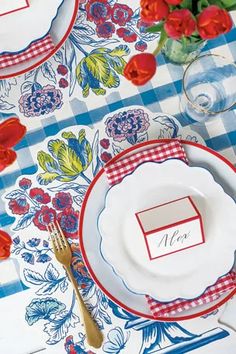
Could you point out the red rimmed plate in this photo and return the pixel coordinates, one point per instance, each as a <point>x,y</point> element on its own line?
<point>101,272</point>
<point>60,30</point>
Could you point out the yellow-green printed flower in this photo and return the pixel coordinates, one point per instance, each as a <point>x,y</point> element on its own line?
<point>66,161</point>
<point>101,67</point>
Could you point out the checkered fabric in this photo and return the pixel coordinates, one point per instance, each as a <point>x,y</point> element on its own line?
<point>162,95</point>
<point>117,171</point>
<point>224,284</point>
<point>37,48</point>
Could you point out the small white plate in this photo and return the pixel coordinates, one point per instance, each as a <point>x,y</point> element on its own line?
<point>90,239</point>
<point>177,275</point>
<point>59,30</point>
<point>20,28</point>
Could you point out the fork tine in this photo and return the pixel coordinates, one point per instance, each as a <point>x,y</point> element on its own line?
<point>54,237</point>
<point>63,238</point>
<point>57,236</point>
<point>50,230</point>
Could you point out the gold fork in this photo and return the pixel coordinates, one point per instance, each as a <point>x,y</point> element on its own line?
<point>63,254</point>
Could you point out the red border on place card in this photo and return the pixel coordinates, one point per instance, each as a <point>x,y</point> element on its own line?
<point>20,8</point>
<point>131,149</point>
<point>182,249</point>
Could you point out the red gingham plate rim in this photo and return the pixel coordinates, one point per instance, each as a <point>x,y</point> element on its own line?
<point>86,261</point>
<point>52,52</point>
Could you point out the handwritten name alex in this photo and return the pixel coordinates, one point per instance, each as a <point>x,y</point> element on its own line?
<point>169,240</point>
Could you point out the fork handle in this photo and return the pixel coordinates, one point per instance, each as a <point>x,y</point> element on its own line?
<point>93,333</point>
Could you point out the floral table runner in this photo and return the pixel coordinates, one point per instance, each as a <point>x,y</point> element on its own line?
<point>79,100</point>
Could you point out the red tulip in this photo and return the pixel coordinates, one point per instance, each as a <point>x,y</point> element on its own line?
<point>5,243</point>
<point>173,2</point>
<point>141,68</point>
<point>180,23</point>
<point>7,157</point>
<point>153,10</point>
<point>213,21</point>
<point>11,132</point>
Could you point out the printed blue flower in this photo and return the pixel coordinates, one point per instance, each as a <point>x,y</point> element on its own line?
<point>42,309</point>
<point>28,257</point>
<point>127,124</point>
<point>43,258</point>
<point>42,100</point>
<point>116,341</point>
<point>16,240</point>
<point>34,242</point>
<point>45,244</point>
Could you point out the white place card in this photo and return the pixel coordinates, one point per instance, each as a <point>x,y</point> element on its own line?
<point>171,227</point>
<point>9,6</point>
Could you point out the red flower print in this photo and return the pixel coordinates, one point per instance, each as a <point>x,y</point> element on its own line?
<point>43,217</point>
<point>69,222</point>
<point>105,156</point>
<point>126,34</point>
<point>39,195</point>
<point>141,46</point>
<point>62,201</point>
<point>98,11</point>
<point>121,14</point>
<point>105,30</point>
<point>62,70</point>
<point>19,206</point>
<point>63,83</point>
<point>105,143</point>
<point>25,183</point>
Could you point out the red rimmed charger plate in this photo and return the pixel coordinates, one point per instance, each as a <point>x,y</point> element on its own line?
<point>32,64</point>
<point>102,273</point>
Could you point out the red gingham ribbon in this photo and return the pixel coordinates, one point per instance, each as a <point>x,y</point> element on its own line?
<point>37,48</point>
<point>212,293</point>
<point>115,173</point>
<point>118,170</point>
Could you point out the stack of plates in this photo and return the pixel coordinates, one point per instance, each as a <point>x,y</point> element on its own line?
<point>112,241</point>
<point>30,20</point>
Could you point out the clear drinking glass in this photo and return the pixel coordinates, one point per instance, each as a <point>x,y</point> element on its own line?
<point>209,87</point>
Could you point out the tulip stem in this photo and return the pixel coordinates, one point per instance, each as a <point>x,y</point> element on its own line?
<point>162,41</point>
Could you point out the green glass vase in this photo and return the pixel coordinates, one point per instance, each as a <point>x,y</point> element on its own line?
<point>179,53</point>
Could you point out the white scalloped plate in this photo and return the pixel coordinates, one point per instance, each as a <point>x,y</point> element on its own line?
<point>183,274</point>
<point>90,239</point>
<point>19,29</point>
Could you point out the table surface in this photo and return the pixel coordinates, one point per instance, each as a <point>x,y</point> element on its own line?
<point>82,89</point>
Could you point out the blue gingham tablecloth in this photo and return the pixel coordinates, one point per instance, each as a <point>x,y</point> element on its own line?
<point>77,92</point>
